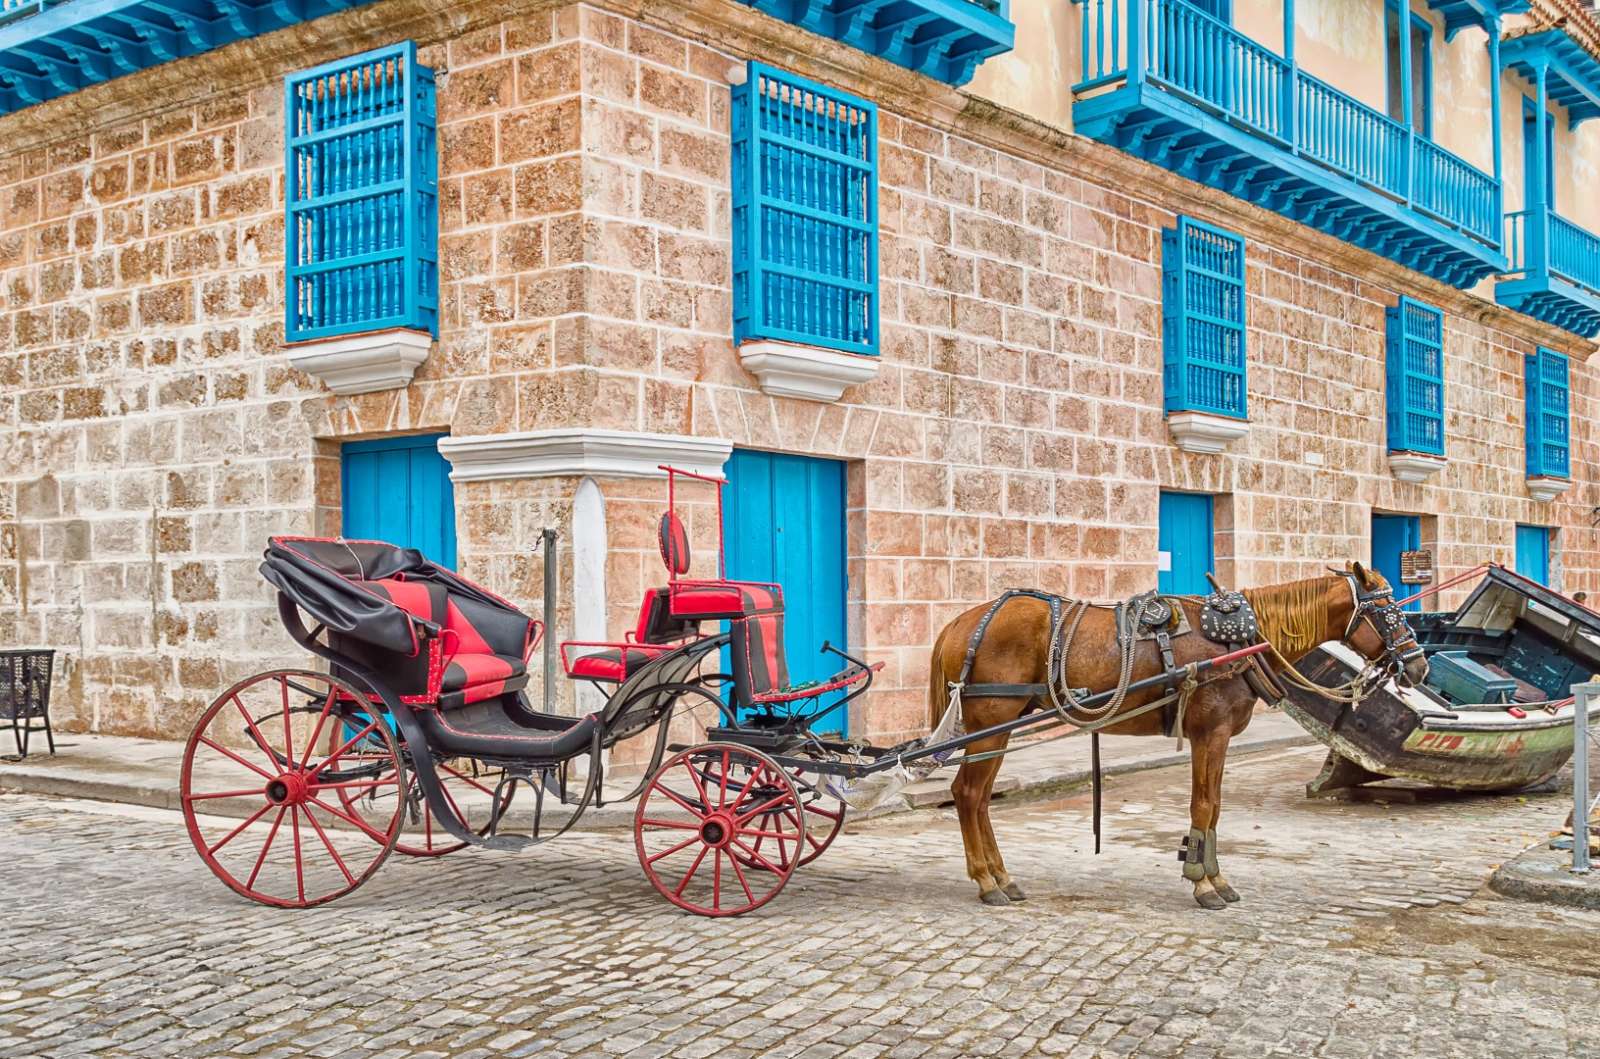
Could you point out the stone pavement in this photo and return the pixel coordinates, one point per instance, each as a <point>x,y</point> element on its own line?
<point>1364,932</point>
<point>145,771</point>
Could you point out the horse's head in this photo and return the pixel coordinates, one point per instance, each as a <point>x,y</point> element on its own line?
<point>1378,628</point>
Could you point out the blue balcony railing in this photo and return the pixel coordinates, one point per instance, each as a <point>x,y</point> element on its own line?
<point>50,48</point>
<point>945,39</point>
<point>1173,84</point>
<point>1556,267</point>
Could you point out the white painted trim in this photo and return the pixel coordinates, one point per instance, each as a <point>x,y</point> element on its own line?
<point>589,545</point>
<point>806,372</point>
<point>1204,432</point>
<point>579,451</point>
<point>1415,466</point>
<point>1543,488</point>
<point>377,360</point>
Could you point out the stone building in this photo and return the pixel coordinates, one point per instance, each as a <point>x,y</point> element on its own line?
<point>1101,301</point>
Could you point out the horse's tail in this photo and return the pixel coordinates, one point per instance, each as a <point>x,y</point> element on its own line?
<point>938,689</point>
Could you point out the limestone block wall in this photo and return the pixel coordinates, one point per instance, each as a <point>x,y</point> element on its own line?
<point>154,433</point>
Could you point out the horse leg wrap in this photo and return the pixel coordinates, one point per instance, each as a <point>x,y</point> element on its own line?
<point>1209,857</point>
<point>1192,853</point>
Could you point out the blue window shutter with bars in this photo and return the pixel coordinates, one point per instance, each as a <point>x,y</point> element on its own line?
<point>805,213</point>
<point>362,195</point>
<point>1203,310</point>
<point>1415,371</point>
<point>1549,423</point>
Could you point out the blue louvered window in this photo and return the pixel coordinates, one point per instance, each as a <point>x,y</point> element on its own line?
<point>1415,372</point>
<point>1549,423</point>
<point>805,214</point>
<point>362,194</point>
<point>1203,325</point>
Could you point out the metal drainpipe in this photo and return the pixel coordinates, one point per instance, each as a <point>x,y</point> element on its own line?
<point>1580,777</point>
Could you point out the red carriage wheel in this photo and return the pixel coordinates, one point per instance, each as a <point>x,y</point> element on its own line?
<point>697,823</point>
<point>471,795</point>
<point>262,750</point>
<point>822,810</point>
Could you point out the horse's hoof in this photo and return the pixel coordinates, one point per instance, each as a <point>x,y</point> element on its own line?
<point>1014,892</point>
<point>994,897</point>
<point>1211,900</point>
<point>1228,893</point>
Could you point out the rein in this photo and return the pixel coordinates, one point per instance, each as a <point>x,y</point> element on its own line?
<point>1363,607</point>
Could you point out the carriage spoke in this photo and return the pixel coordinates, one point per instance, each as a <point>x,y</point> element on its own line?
<point>670,793</point>
<point>223,794</point>
<point>257,815</point>
<point>692,869</point>
<point>255,733</point>
<point>738,871</point>
<point>219,748</point>
<point>371,832</point>
<point>468,780</point>
<point>351,879</point>
<point>337,754</point>
<point>677,824</point>
<point>288,734</point>
<point>294,827</point>
<point>262,859</point>
<point>316,732</point>
<point>722,798</point>
<point>758,858</point>
<point>670,850</point>
<point>766,806</point>
<point>694,775</point>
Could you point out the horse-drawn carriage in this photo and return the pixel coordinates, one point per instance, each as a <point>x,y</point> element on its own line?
<point>421,736</point>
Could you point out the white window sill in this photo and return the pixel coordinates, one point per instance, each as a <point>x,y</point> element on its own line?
<point>365,363</point>
<point>806,372</point>
<point>1415,466</point>
<point>1204,432</point>
<point>1543,488</point>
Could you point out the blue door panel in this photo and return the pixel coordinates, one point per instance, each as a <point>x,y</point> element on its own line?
<point>1533,553</point>
<point>1391,535</point>
<point>398,490</point>
<point>1185,531</point>
<point>783,521</point>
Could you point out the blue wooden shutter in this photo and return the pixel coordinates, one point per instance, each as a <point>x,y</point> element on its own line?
<point>399,490</point>
<point>362,196</point>
<point>1548,424</point>
<point>1415,370</point>
<point>805,213</point>
<point>1533,553</point>
<point>1203,305</point>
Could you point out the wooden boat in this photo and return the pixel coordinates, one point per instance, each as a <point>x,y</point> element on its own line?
<point>1533,642</point>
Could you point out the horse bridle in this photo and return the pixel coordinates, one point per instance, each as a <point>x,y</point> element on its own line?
<point>1386,620</point>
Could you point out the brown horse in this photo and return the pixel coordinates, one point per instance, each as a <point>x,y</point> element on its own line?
<point>1356,606</point>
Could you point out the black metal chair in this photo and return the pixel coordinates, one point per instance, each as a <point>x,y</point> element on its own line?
<point>25,696</point>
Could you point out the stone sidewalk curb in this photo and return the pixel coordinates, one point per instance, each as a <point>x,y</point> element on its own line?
<point>1540,873</point>
<point>47,778</point>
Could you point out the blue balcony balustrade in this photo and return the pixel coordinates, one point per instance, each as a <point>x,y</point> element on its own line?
<point>945,39</point>
<point>1554,263</point>
<point>49,48</point>
<point>1168,82</point>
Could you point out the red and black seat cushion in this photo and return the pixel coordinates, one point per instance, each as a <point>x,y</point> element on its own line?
<point>406,674</point>
<point>724,599</point>
<point>756,650</point>
<point>612,666</point>
<point>471,677</point>
<point>656,622</point>
<point>674,544</point>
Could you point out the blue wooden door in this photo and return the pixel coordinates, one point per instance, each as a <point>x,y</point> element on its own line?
<point>1391,535</point>
<point>1185,535</point>
<point>1533,553</point>
<point>783,521</point>
<point>398,490</point>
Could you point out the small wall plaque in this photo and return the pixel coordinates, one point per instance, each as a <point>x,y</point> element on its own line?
<point>1416,568</point>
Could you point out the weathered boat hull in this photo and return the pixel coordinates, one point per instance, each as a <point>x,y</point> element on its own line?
<point>1387,736</point>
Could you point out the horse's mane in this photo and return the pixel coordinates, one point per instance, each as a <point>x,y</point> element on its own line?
<point>1292,616</point>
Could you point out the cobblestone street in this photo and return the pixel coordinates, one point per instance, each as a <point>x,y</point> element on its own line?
<point>1362,932</point>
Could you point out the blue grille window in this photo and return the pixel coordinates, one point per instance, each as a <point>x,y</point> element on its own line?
<point>363,218</point>
<point>1203,308</point>
<point>805,214</point>
<point>1545,376</point>
<point>1415,373</point>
